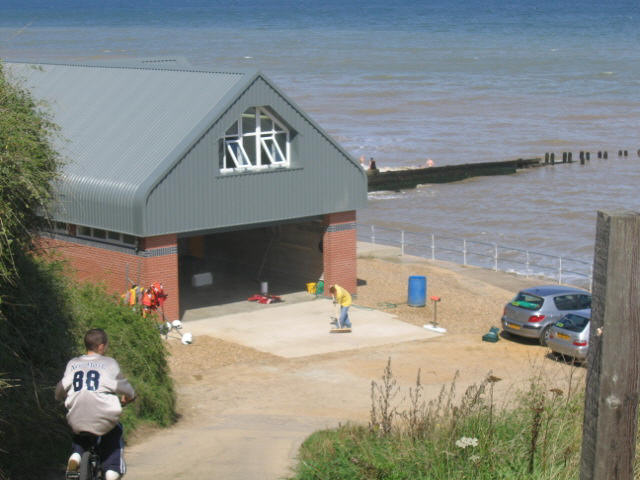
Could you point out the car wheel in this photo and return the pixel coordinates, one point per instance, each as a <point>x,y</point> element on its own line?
<point>544,336</point>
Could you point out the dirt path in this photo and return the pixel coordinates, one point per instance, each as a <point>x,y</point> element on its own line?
<point>244,413</point>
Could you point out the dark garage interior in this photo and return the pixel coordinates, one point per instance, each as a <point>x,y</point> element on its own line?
<point>220,268</point>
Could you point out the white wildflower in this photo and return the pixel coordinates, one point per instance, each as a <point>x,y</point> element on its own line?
<point>465,442</point>
<point>474,458</point>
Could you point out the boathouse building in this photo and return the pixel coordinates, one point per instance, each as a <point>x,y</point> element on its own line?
<point>211,182</point>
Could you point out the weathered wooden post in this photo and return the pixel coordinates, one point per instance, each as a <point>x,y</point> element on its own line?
<point>611,400</point>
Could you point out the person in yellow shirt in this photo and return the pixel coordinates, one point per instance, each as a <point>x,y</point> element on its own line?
<point>342,298</point>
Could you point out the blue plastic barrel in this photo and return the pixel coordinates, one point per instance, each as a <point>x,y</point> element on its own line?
<point>417,291</point>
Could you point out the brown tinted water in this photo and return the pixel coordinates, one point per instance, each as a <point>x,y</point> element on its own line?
<point>549,209</point>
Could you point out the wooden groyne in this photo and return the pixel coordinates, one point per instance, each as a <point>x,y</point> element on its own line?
<point>412,177</point>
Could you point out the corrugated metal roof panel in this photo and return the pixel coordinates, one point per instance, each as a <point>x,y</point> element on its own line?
<point>119,124</point>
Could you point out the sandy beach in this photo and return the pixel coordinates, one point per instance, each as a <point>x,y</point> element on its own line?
<point>244,412</point>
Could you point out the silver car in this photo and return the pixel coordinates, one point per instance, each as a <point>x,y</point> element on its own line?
<point>570,336</point>
<point>534,310</point>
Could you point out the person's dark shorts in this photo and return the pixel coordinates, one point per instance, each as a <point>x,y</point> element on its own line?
<point>110,448</point>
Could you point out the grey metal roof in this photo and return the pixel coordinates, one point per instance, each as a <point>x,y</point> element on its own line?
<point>124,128</point>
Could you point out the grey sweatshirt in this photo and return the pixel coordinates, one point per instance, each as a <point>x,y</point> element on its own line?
<point>91,387</point>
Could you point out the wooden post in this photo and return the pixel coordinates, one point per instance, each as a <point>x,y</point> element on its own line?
<point>611,399</point>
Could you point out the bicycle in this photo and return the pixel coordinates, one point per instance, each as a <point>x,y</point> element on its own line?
<point>90,464</point>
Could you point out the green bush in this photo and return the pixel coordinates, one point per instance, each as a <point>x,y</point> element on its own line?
<point>28,167</point>
<point>133,341</point>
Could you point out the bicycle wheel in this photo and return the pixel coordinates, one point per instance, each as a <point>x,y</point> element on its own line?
<point>86,469</point>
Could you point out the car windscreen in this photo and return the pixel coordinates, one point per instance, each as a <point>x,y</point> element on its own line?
<point>527,301</point>
<point>574,323</point>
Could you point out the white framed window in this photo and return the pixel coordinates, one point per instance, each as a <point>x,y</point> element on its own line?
<point>107,236</point>
<point>257,140</point>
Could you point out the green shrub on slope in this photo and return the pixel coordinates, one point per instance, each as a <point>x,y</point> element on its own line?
<point>28,167</point>
<point>133,341</point>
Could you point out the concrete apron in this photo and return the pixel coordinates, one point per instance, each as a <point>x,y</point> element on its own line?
<point>302,329</point>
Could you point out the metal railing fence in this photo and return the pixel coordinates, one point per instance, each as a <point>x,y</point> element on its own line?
<point>493,256</point>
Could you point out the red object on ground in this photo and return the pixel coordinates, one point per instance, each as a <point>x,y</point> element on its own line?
<point>264,299</point>
<point>435,299</point>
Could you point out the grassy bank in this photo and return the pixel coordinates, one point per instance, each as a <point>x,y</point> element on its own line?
<point>536,435</point>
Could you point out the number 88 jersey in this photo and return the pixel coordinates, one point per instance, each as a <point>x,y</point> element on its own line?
<point>91,387</point>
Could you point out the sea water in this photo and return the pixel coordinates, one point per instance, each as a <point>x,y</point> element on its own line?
<point>404,81</point>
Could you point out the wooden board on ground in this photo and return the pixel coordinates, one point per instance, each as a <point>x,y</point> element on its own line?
<point>340,330</point>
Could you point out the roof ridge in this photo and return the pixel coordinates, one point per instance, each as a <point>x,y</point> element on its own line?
<point>181,68</point>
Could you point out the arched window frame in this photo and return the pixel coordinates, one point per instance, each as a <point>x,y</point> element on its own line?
<point>256,141</point>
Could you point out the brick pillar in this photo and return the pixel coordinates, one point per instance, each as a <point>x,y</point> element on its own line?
<point>339,249</point>
<point>161,265</point>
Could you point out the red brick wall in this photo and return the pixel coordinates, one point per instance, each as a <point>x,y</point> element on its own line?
<point>96,264</point>
<point>159,241</point>
<point>339,248</point>
<point>111,268</point>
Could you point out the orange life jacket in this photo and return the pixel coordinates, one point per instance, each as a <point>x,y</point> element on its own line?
<point>148,298</point>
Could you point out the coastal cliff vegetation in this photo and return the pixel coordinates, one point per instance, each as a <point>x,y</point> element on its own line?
<point>535,434</point>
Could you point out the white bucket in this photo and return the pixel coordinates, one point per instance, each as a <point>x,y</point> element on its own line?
<point>264,288</point>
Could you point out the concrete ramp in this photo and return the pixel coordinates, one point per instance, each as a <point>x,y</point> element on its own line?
<point>302,329</point>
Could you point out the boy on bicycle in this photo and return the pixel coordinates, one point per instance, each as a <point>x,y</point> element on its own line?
<point>94,390</point>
